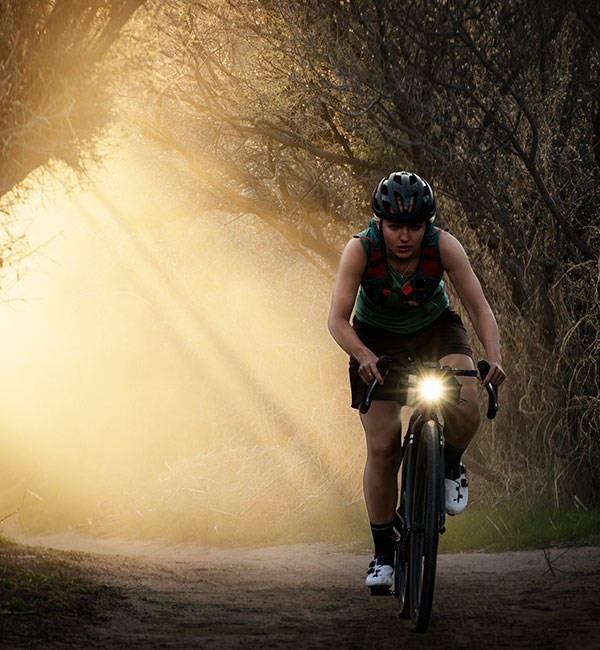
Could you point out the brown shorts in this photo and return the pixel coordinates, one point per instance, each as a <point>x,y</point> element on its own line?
<point>446,335</point>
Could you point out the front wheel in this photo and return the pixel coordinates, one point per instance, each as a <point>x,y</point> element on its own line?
<point>425,526</point>
<point>401,568</point>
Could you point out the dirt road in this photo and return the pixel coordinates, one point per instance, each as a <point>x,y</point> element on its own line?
<point>311,596</point>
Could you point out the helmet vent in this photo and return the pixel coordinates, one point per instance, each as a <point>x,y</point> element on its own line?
<point>406,204</point>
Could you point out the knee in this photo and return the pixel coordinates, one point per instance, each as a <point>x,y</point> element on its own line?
<point>467,409</point>
<point>383,452</point>
<point>382,430</point>
<point>468,414</point>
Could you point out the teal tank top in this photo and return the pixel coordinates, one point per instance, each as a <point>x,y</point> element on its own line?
<point>398,303</point>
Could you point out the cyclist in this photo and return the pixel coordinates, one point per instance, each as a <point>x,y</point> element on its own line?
<point>391,276</point>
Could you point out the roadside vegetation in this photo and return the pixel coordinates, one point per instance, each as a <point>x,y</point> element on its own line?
<point>44,595</point>
<point>514,528</point>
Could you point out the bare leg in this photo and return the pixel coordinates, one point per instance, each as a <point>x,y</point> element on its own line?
<point>462,420</point>
<point>384,444</point>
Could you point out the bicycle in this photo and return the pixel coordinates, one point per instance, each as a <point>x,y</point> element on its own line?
<point>421,516</point>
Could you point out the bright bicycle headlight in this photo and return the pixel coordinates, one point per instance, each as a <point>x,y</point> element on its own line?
<point>431,389</point>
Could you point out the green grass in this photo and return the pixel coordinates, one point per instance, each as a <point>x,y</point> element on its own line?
<point>510,528</point>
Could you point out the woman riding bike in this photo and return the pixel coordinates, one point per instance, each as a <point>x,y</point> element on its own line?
<point>391,276</point>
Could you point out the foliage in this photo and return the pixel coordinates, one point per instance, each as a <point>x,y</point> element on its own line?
<point>54,92</point>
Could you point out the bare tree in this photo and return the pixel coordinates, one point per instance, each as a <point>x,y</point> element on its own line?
<point>254,135</point>
<point>51,90</point>
<point>54,90</point>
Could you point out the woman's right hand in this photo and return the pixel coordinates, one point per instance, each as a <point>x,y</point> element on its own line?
<point>367,368</point>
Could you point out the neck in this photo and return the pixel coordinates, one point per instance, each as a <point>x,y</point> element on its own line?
<point>402,265</point>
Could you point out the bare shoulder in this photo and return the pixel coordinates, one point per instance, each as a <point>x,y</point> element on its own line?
<point>353,255</point>
<point>355,245</point>
<point>452,251</point>
<point>448,241</point>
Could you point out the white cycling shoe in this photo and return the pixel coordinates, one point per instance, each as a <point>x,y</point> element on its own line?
<point>379,575</point>
<point>457,493</point>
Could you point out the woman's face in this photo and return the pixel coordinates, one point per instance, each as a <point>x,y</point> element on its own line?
<point>403,241</point>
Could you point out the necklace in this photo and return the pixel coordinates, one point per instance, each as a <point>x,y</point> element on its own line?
<point>402,277</point>
<point>403,271</point>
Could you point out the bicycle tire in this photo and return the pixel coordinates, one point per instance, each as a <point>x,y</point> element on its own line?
<point>402,564</point>
<point>425,526</point>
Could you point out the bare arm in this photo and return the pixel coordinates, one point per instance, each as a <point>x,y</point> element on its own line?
<point>345,289</point>
<point>469,290</point>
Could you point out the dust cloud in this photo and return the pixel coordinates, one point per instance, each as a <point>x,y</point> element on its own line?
<point>166,372</point>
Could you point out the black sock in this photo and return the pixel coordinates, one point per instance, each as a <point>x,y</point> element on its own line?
<point>452,456</point>
<point>385,541</point>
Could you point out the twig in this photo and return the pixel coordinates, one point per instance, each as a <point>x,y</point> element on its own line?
<point>547,558</point>
<point>550,561</point>
<point>18,510</point>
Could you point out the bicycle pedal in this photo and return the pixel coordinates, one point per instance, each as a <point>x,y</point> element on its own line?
<point>381,591</point>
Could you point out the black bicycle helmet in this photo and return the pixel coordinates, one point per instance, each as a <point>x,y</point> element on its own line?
<point>404,197</point>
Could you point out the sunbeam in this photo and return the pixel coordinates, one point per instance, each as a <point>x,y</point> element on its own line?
<point>172,375</point>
